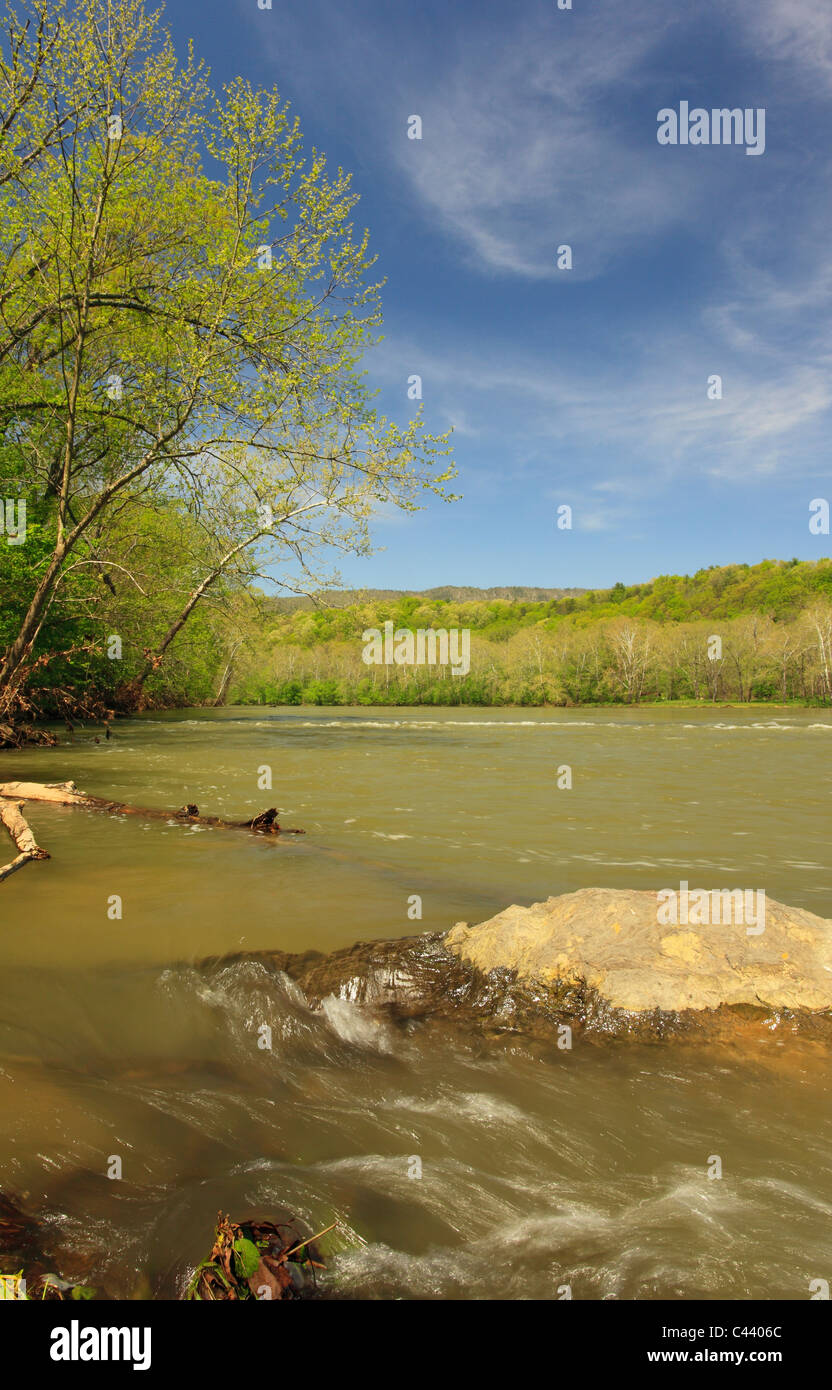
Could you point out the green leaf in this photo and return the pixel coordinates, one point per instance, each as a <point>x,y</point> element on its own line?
<point>246,1257</point>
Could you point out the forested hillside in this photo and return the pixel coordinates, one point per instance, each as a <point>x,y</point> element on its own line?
<point>647,641</point>
<point>650,641</point>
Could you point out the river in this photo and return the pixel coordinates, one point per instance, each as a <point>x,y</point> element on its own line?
<point>542,1171</point>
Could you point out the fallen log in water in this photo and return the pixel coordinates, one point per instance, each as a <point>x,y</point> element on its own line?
<point>65,794</point>
<point>17,736</point>
<point>28,848</point>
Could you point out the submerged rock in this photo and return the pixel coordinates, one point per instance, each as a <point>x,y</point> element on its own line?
<point>25,1241</point>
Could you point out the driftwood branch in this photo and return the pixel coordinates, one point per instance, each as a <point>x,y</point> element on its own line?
<point>65,794</point>
<point>28,847</point>
<point>13,866</point>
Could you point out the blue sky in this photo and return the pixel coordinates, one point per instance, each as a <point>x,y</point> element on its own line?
<point>586,387</point>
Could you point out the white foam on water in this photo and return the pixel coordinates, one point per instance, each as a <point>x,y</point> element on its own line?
<point>479,1106</point>
<point>465,724</point>
<point>353,1025</point>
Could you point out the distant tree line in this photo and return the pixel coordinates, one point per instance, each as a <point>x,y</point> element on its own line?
<point>732,633</point>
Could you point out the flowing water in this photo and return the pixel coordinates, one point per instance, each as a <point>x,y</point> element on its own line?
<point>540,1168</point>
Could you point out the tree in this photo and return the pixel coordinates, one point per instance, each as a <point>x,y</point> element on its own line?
<point>632,648</point>
<point>184,305</point>
<point>745,648</point>
<point>819,619</point>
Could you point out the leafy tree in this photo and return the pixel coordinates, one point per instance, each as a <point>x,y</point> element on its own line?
<point>185,305</point>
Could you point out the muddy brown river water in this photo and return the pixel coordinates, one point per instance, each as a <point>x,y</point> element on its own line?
<point>541,1168</point>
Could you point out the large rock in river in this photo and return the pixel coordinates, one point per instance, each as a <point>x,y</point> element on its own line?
<point>601,961</point>
<point>619,946</point>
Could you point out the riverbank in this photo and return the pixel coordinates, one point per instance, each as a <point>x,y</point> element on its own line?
<point>53,734</point>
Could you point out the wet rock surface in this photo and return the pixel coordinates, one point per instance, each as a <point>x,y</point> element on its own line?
<point>598,961</point>
<point>622,945</point>
<point>411,979</point>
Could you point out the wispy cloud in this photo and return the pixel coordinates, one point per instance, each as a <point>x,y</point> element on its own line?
<point>522,149</point>
<point>539,128</point>
<point>657,408</point>
<point>794,33</point>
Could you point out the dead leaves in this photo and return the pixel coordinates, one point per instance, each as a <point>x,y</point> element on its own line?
<point>254,1259</point>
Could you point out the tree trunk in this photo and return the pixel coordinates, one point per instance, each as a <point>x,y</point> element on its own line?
<point>226,677</point>
<point>154,661</point>
<point>28,847</point>
<point>19,649</point>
